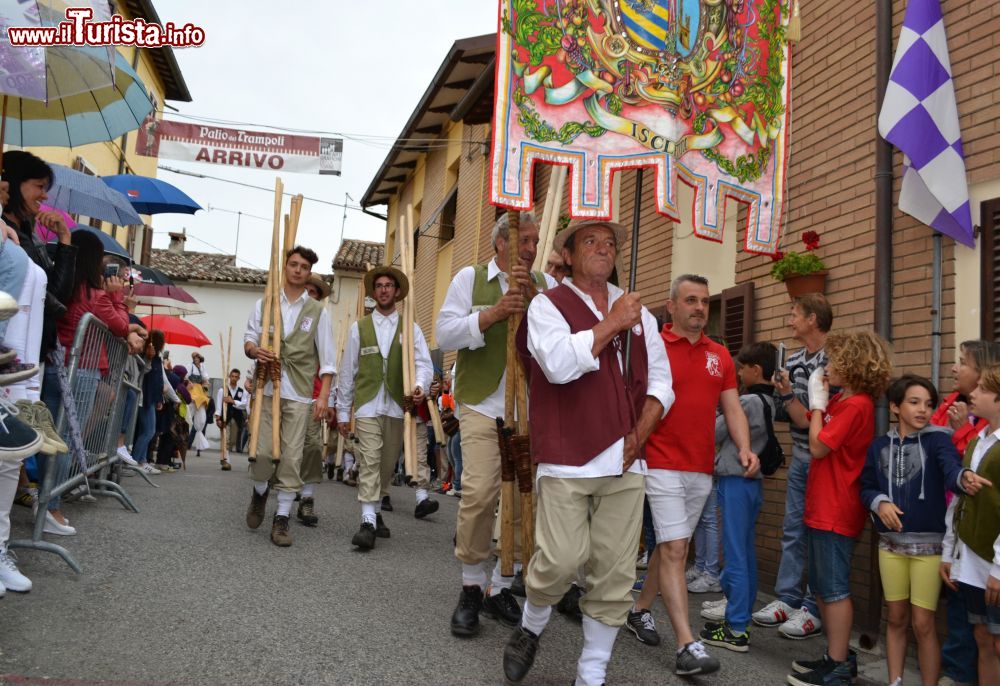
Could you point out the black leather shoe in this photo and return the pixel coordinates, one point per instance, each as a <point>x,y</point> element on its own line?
<point>365,538</point>
<point>569,605</point>
<point>386,504</point>
<point>425,507</point>
<point>503,608</point>
<point>465,618</point>
<point>381,530</point>
<point>517,586</point>
<point>519,654</point>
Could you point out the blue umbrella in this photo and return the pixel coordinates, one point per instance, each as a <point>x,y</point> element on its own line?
<point>111,246</point>
<point>81,193</point>
<point>152,196</point>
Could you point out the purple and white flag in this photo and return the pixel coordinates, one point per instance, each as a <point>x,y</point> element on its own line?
<point>919,116</point>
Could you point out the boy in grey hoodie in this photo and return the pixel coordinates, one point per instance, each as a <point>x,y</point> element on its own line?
<point>741,495</point>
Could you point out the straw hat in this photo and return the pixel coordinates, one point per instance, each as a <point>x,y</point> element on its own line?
<point>387,270</point>
<point>318,281</point>
<point>560,240</point>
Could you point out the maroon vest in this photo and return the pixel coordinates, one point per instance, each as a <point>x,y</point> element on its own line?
<point>573,423</point>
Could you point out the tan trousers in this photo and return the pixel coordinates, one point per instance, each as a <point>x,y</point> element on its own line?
<point>312,454</point>
<point>379,441</point>
<point>481,491</point>
<point>294,416</point>
<point>423,468</point>
<point>604,546</point>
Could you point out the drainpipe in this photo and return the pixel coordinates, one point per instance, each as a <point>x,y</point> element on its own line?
<point>883,281</point>
<point>936,311</point>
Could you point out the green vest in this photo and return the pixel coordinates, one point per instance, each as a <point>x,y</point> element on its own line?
<point>375,371</point>
<point>977,518</point>
<point>478,372</point>
<point>299,358</point>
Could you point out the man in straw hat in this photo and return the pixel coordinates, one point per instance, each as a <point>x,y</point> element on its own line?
<point>311,469</point>
<point>371,378</point>
<point>307,345</point>
<point>473,320</point>
<point>591,409</point>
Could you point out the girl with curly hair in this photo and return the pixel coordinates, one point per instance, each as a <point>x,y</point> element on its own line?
<point>840,430</point>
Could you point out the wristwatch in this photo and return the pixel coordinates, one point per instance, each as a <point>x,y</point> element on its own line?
<point>787,397</point>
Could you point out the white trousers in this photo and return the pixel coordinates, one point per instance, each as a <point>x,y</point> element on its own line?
<point>24,332</point>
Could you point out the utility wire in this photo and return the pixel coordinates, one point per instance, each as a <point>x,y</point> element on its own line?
<point>250,185</point>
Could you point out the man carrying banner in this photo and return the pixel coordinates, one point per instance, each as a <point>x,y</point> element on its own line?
<point>311,470</point>
<point>307,345</point>
<point>371,378</point>
<point>591,409</point>
<point>473,321</point>
<point>237,400</point>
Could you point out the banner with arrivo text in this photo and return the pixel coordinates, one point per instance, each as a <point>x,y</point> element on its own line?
<point>239,147</point>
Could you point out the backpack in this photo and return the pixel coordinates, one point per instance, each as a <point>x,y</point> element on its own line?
<point>772,456</point>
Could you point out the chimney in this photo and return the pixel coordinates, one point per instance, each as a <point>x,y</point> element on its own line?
<point>177,242</point>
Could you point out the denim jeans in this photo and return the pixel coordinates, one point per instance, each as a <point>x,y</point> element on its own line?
<point>455,452</point>
<point>649,531</point>
<point>706,536</point>
<point>740,500</point>
<point>145,429</point>
<point>792,568</point>
<point>13,268</point>
<point>830,564</point>
<point>959,653</point>
<point>131,398</point>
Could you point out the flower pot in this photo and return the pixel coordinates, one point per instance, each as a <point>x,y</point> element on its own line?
<point>800,284</point>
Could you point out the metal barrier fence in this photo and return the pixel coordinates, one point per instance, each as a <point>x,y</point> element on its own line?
<point>98,380</point>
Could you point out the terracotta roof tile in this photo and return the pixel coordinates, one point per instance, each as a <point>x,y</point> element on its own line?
<point>353,255</point>
<point>204,266</point>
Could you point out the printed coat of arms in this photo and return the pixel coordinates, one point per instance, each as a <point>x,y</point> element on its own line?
<point>696,89</point>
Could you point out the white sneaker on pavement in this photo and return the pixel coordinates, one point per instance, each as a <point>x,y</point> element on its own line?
<point>705,583</point>
<point>54,527</point>
<point>800,625</point>
<point>126,456</point>
<point>10,577</point>
<point>715,612</point>
<point>774,613</point>
<point>149,469</point>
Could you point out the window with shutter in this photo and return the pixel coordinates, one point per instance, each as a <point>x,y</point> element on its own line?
<point>736,316</point>
<point>989,244</point>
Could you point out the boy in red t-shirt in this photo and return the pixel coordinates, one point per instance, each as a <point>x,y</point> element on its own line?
<point>840,430</point>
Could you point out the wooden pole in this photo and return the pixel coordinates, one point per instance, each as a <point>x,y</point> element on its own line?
<point>277,332</point>
<point>510,413</point>
<point>409,426</point>
<point>266,308</point>
<point>552,219</point>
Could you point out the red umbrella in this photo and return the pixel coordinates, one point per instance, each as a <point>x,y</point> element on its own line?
<point>176,331</point>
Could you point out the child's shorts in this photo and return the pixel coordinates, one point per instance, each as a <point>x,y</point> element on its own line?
<point>830,564</point>
<point>979,611</point>
<point>913,577</point>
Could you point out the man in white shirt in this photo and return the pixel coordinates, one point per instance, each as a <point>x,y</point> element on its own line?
<point>307,345</point>
<point>591,410</point>
<point>371,380</point>
<point>235,400</point>
<point>473,321</point>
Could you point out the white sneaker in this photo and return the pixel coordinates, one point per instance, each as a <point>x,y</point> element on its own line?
<point>54,527</point>
<point>10,577</point>
<point>714,611</point>
<point>149,469</point>
<point>800,625</point>
<point>126,456</point>
<point>705,583</point>
<point>8,308</point>
<point>774,613</point>
<point>642,562</point>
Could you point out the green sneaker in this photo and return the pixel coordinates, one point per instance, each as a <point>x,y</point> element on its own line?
<point>722,635</point>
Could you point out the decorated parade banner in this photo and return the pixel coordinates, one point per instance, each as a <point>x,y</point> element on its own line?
<point>240,147</point>
<point>697,90</point>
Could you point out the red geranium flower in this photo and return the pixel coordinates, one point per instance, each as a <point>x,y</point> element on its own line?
<point>777,256</point>
<point>811,239</point>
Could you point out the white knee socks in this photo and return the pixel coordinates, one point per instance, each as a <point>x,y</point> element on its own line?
<point>308,490</point>
<point>285,500</point>
<point>368,513</point>
<point>534,618</point>
<point>260,487</point>
<point>473,575</point>
<point>421,495</point>
<point>500,582</point>
<point>598,640</point>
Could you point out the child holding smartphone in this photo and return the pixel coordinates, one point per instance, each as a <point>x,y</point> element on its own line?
<point>903,482</point>
<point>840,430</point>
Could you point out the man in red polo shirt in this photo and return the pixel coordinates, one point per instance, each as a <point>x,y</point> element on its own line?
<point>680,455</point>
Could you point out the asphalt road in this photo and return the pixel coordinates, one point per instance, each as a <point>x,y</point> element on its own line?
<point>183,593</point>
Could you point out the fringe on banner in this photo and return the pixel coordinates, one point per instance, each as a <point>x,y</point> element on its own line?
<point>793,31</point>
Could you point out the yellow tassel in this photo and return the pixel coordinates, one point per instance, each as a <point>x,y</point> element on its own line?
<point>793,32</point>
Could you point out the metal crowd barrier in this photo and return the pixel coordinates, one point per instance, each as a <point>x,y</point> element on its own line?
<point>98,379</point>
<point>133,382</point>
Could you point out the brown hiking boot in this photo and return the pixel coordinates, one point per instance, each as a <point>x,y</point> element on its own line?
<point>226,467</point>
<point>255,513</point>
<point>279,532</point>
<point>306,513</point>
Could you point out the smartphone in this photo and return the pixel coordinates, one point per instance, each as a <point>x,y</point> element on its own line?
<point>111,269</point>
<point>779,358</point>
